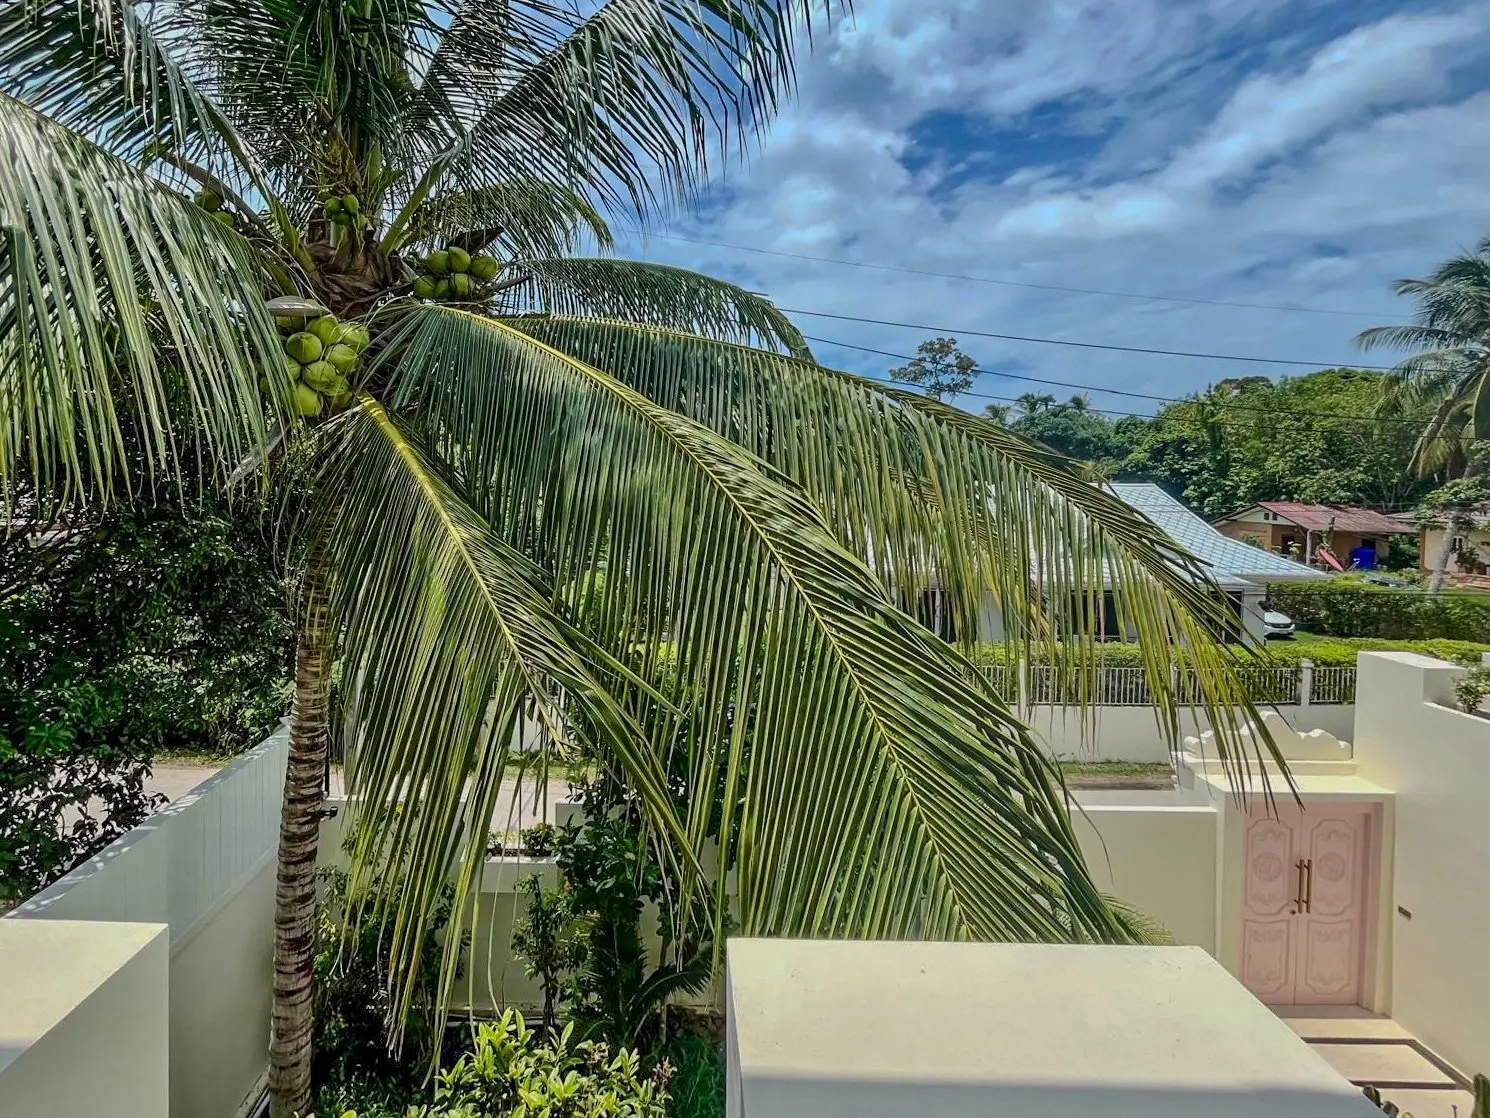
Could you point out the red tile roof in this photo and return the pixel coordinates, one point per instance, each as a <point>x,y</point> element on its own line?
<point>1345,518</point>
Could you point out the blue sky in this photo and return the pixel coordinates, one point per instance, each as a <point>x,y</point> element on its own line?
<point>1285,152</point>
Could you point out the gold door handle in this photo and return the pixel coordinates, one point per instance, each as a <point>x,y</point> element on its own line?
<point>1299,904</point>
<point>1308,875</point>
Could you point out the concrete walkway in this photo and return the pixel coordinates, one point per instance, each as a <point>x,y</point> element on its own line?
<point>1367,1048</point>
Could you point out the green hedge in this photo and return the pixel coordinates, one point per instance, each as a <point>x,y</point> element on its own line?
<point>1341,608</point>
<point>1323,651</point>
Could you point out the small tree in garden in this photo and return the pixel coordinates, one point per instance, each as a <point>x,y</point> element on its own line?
<point>940,368</point>
<point>550,487</point>
<point>544,938</point>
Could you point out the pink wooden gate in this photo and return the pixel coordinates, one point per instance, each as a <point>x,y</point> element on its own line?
<point>1307,875</point>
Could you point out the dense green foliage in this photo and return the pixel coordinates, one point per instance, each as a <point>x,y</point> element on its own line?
<point>1345,608</point>
<point>1323,651</point>
<point>1244,440</point>
<point>1308,438</point>
<point>511,1070</point>
<point>353,1067</point>
<point>696,1086</point>
<point>124,636</point>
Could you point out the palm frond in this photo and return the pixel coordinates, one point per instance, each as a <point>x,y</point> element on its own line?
<point>885,789</point>
<point>526,217</point>
<point>632,99</point>
<point>659,295</point>
<point>448,639</point>
<point>121,305</point>
<point>935,498</point>
<point>96,67</point>
<point>1407,337</point>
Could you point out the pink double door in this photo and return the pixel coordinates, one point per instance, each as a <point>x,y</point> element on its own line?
<point>1305,917</point>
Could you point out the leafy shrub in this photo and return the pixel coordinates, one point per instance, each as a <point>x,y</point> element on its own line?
<point>1472,687</point>
<point>546,937</point>
<point>696,1088</point>
<point>137,631</point>
<point>512,1071</point>
<point>354,1066</point>
<point>539,840</point>
<point>1346,608</point>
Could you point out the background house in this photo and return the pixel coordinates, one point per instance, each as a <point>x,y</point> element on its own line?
<point>1471,546</point>
<point>1298,528</point>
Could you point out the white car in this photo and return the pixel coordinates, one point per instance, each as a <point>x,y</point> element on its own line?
<point>1277,626</point>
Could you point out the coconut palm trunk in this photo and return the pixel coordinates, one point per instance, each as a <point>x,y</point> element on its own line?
<point>299,833</point>
<point>1441,558</point>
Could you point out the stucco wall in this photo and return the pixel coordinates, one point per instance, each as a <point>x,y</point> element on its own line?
<point>1132,734</point>
<point>83,1019</point>
<point>1161,859</point>
<point>204,867</point>
<point>1408,738</point>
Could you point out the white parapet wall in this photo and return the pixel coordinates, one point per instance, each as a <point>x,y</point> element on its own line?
<point>1159,857</point>
<point>83,1019</point>
<point>1411,738</point>
<point>203,867</point>
<point>836,1029</point>
<point>1132,733</point>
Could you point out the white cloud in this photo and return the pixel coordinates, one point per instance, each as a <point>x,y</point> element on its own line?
<point>1315,179</point>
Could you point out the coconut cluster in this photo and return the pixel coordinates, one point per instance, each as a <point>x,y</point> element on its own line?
<point>453,274</point>
<point>320,356</point>
<point>344,209</point>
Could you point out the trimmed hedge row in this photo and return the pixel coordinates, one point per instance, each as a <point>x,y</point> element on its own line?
<point>1336,652</point>
<point>1352,609</point>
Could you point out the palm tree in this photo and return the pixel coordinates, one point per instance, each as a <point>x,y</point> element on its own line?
<point>1079,401</point>
<point>1032,402</point>
<point>1448,376</point>
<point>616,499</point>
<point>997,413</point>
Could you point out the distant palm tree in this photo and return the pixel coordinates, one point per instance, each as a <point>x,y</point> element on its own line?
<point>1032,402</point>
<point>997,413</point>
<point>1449,373</point>
<point>1081,401</point>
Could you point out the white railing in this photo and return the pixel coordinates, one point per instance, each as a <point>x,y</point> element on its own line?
<point>1302,684</point>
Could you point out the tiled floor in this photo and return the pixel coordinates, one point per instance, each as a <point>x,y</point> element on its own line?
<point>1368,1048</point>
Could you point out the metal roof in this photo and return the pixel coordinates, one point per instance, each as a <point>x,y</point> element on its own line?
<point>1343,518</point>
<point>1230,560</point>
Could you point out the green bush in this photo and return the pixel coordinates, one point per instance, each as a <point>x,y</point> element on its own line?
<point>1322,651</point>
<point>696,1086</point>
<point>512,1071</point>
<point>1346,608</point>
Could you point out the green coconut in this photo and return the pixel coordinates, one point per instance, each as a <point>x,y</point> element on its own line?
<point>264,386</point>
<point>326,328</point>
<point>460,285</point>
<point>342,356</point>
<point>350,204</point>
<point>224,217</point>
<point>460,259</point>
<point>333,206</point>
<point>442,289</point>
<point>304,347</point>
<point>208,201</point>
<point>307,401</point>
<point>438,261</point>
<point>484,268</point>
<point>293,367</point>
<point>320,375</point>
<point>354,334</point>
<point>424,288</point>
<point>287,324</point>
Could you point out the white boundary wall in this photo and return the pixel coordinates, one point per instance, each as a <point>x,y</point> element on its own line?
<point>1411,738</point>
<point>204,866</point>
<point>1131,733</point>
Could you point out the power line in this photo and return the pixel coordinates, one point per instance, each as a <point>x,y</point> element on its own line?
<point>1120,391</point>
<point>1006,282</point>
<point>1082,345</point>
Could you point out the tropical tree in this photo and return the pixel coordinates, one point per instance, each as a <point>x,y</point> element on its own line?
<point>940,368</point>
<point>1032,402</point>
<point>615,499</point>
<point>1448,375</point>
<point>997,413</point>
